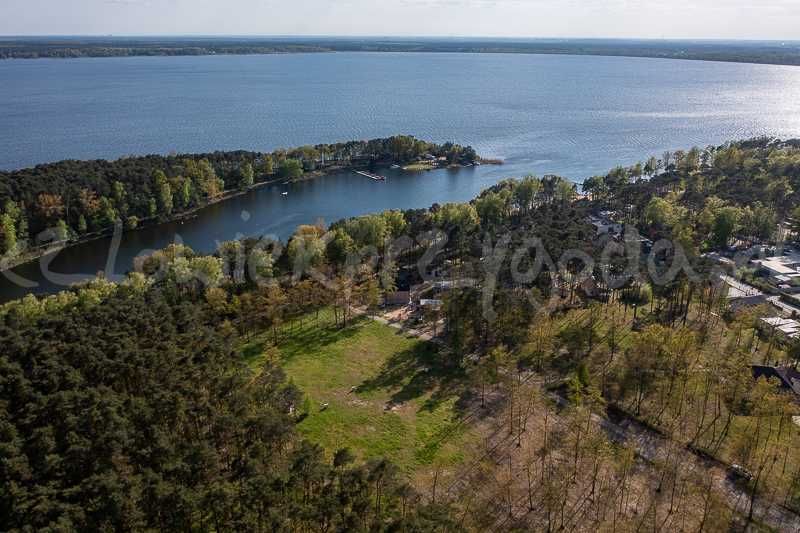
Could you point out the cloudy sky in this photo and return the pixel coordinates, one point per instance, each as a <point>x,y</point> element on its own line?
<point>742,19</point>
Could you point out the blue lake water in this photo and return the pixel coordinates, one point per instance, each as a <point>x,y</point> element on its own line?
<point>570,115</point>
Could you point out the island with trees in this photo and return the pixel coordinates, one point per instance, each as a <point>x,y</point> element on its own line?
<point>59,204</point>
<point>535,359</point>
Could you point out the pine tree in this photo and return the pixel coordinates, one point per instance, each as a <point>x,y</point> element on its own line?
<point>164,191</point>
<point>248,176</point>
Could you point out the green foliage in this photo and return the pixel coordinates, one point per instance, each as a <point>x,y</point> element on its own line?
<point>137,414</point>
<point>186,193</point>
<point>340,246</point>
<point>725,224</point>
<point>61,231</point>
<point>260,263</point>
<point>306,249</point>
<point>248,176</point>
<point>369,230</point>
<point>267,165</point>
<point>463,217</point>
<point>526,192</point>
<point>493,208</point>
<point>8,234</point>
<point>164,192</point>
<point>661,212</point>
<point>290,169</point>
<point>395,222</point>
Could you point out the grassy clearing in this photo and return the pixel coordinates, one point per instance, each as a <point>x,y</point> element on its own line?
<point>419,167</point>
<point>388,395</point>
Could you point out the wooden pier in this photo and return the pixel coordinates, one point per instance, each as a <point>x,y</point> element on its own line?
<point>371,176</point>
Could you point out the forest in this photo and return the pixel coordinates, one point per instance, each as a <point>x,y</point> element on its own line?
<point>71,200</point>
<point>550,385</point>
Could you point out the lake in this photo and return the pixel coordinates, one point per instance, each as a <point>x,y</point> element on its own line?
<point>570,115</point>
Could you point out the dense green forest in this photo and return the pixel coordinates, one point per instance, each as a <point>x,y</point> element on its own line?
<point>133,412</point>
<point>74,198</point>
<point>780,53</point>
<point>625,404</point>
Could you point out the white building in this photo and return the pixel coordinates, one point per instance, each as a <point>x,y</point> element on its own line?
<point>781,268</point>
<point>603,225</point>
<point>785,328</point>
<point>741,294</point>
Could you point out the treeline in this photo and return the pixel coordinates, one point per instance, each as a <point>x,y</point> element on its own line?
<point>781,53</point>
<point>98,47</point>
<point>706,199</point>
<point>74,198</point>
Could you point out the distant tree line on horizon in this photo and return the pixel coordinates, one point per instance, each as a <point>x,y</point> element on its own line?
<point>76,198</point>
<point>777,52</point>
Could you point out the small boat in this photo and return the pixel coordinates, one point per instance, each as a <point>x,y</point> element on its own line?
<point>395,166</point>
<point>284,193</point>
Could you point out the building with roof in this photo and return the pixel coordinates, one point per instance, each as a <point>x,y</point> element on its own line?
<point>741,294</point>
<point>787,376</point>
<point>784,328</point>
<point>786,309</point>
<point>781,269</point>
<point>605,226</point>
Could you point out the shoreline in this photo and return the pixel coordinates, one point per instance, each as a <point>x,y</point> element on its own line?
<point>766,57</point>
<point>37,252</point>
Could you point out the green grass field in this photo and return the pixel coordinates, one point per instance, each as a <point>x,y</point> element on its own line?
<point>387,394</point>
<point>419,167</point>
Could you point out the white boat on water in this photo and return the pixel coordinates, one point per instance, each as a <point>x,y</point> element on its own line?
<point>284,193</point>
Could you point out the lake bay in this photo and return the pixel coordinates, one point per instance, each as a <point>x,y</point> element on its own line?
<point>569,115</point>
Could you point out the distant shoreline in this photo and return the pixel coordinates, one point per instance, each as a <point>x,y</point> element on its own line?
<point>754,52</point>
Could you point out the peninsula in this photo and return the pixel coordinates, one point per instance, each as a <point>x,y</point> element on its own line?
<point>59,204</point>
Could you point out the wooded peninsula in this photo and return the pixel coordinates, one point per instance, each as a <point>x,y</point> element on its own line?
<point>70,201</point>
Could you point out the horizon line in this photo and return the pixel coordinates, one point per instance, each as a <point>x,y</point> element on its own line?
<point>354,36</point>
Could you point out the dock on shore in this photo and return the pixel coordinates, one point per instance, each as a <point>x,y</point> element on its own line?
<point>371,176</point>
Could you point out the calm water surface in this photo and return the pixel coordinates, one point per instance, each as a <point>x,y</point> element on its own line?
<point>571,115</point>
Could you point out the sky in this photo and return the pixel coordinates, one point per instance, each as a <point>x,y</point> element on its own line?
<point>693,19</point>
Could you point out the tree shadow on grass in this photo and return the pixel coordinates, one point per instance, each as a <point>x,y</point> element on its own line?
<point>420,370</point>
<point>314,337</point>
<point>295,340</point>
<point>253,351</point>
